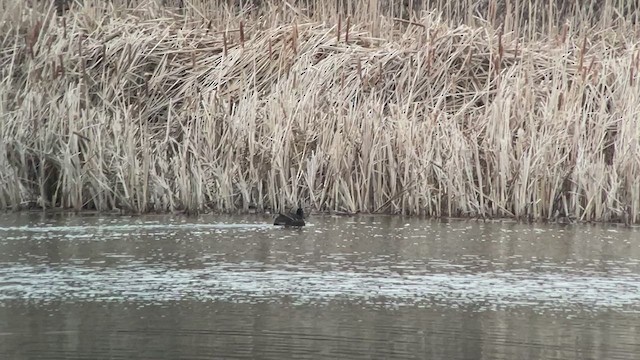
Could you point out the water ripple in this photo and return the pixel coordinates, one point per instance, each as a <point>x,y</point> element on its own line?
<point>129,227</point>
<point>252,282</point>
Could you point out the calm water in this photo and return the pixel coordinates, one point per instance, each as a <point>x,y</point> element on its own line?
<point>164,287</point>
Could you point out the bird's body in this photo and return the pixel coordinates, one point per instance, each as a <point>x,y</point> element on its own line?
<point>296,219</point>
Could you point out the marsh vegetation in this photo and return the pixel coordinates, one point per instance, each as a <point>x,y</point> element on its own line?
<point>438,108</point>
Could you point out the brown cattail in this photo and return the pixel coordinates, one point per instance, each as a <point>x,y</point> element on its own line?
<point>560,100</point>
<point>500,47</point>
<point>33,38</point>
<point>346,37</point>
<point>591,65</point>
<point>294,38</point>
<point>582,53</point>
<point>61,65</point>
<point>30,48</point>
<point>80,46</point>
<point>224,43</point>
<point>339,30</point>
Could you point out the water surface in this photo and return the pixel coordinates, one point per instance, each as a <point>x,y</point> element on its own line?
<point>168,287</point>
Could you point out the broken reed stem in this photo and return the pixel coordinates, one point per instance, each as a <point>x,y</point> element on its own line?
<point>410,23</point>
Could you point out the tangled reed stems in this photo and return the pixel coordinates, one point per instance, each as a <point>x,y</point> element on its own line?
<point>270,104</point>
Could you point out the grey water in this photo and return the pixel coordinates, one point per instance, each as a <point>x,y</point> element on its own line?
<point>367,287</point>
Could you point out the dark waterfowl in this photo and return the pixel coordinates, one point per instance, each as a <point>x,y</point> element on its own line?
<point>296,219</point>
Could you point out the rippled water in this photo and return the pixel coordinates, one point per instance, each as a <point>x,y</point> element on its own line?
<point>163,287</point>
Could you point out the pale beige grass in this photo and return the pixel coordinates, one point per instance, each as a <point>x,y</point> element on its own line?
<point>161,109</point>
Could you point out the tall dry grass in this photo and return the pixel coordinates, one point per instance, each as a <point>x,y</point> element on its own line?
<point>430,107</point>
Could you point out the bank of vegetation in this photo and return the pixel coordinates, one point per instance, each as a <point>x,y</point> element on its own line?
<point>524,109</point>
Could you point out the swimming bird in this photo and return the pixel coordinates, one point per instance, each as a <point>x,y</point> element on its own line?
<point>296,219</point>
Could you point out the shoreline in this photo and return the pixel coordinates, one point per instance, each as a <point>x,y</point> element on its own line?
<point>270,214</point>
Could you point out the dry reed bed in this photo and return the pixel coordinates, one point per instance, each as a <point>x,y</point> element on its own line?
<point>147,110</point>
